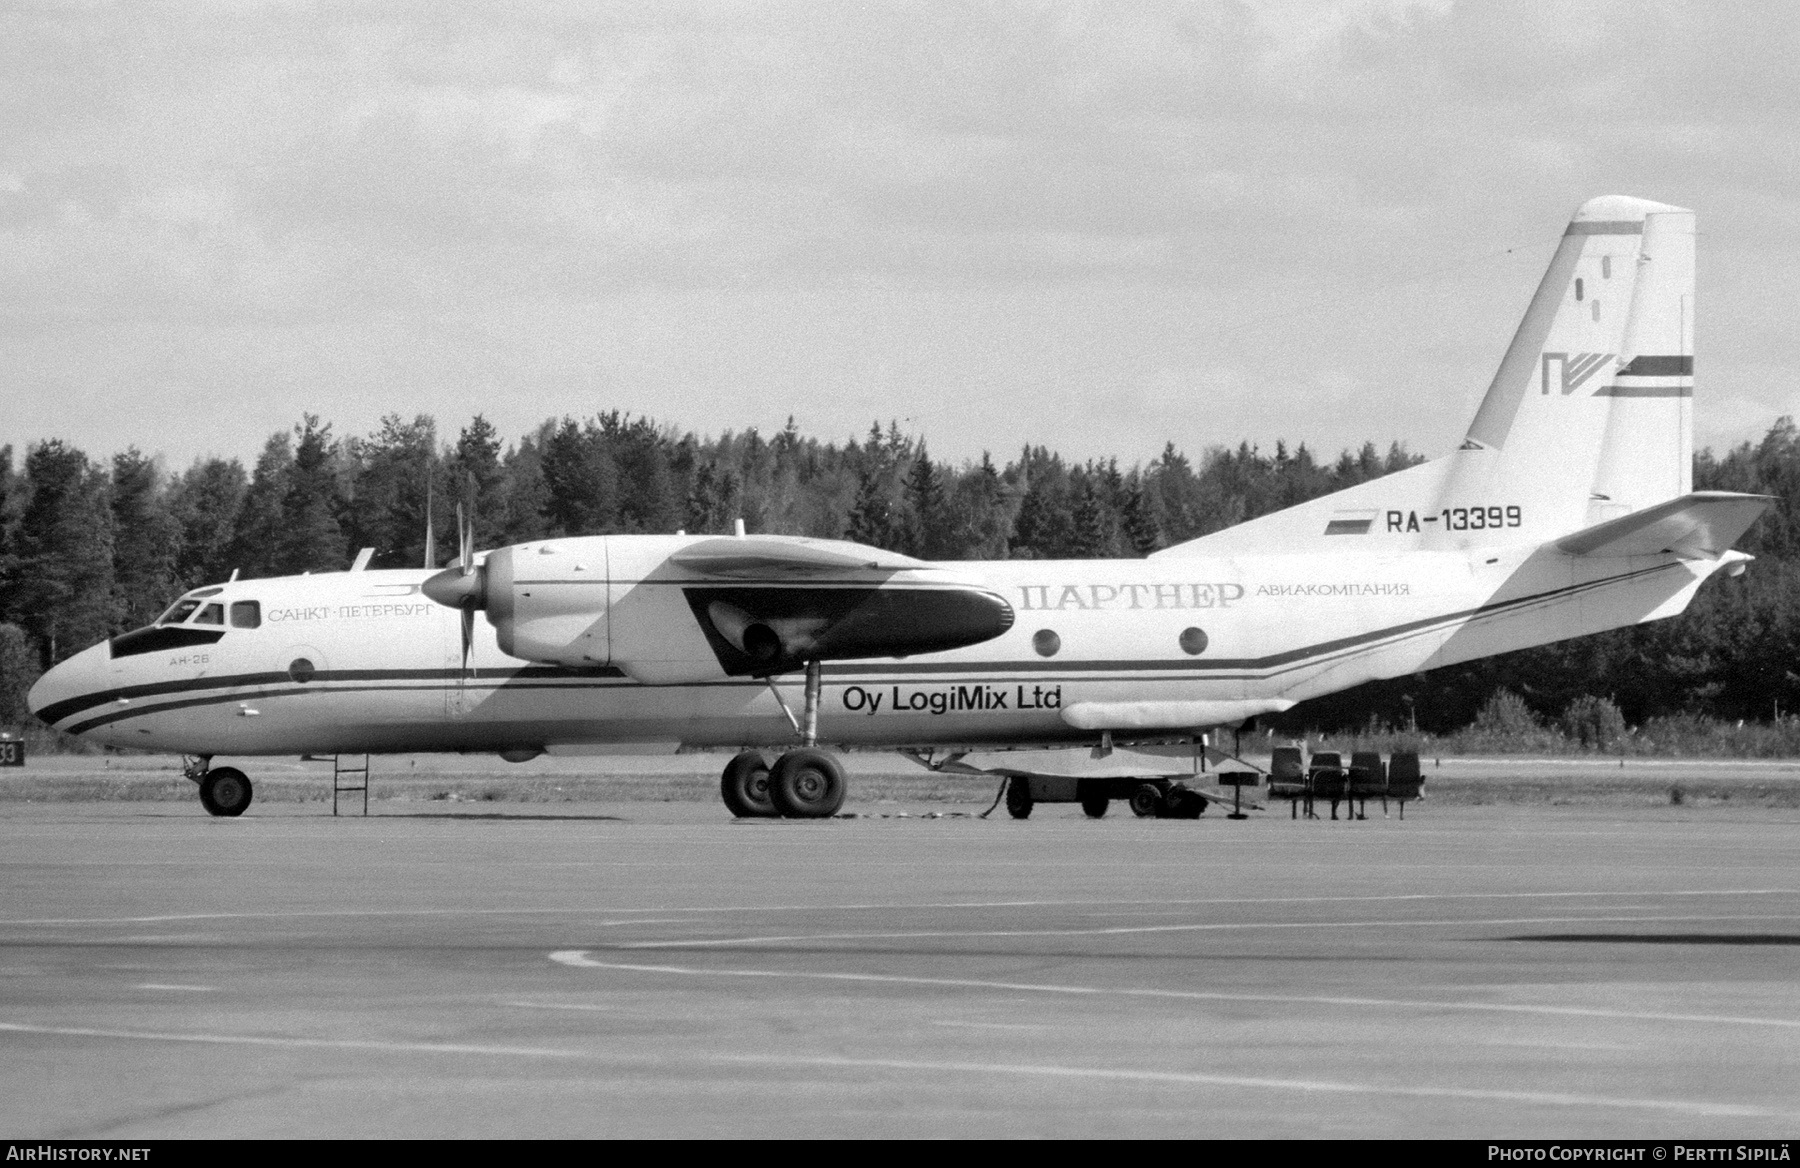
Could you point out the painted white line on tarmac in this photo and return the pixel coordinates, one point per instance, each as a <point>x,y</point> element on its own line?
<point>1524,763</point>
<point>153,985</point>
<point>1189,1078</point>
<point>307,914</point>
<point>311,1043</point>
<point>700,910</point>
<point>1200,927</point>
<point>578,958</point>
<point>1114,1074</point>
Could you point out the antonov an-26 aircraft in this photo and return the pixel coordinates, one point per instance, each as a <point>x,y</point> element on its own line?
<point>1567,509</point>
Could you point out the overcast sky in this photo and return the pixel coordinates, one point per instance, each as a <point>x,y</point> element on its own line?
<point>1098,227</point>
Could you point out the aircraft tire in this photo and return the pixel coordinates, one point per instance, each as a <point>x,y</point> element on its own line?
<point>1018,797</point>
<point>807,784</point>
<point>1181,803</point>
<point>1146,800</point>
<point>1095,805</point>
<point>745,786</point>
<point>225,791</point>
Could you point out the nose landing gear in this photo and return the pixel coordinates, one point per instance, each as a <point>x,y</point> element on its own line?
<point>224,792</point>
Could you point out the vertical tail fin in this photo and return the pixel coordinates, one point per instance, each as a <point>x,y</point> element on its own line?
<point>1589,417</point>
<point>1590,413</point>
<point>1648,454</point>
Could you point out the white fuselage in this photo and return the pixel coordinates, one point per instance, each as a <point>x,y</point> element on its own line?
<point>1158,645</point>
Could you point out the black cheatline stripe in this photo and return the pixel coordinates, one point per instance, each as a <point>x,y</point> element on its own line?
<point>57,711</point>
<point>1659,366</point>
<point>1250,667</point>
<point>1645,391</point>
<point>768,585</point>
<point>68,707</point>
<point>315,687</point>
<point>213,700</point>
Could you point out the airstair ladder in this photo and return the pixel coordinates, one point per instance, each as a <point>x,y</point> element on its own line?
<point>348,780</point>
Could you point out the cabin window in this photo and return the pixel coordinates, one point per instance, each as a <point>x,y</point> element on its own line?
<point>301,670</point>
<point>1192,641</point>
<point>1578,287</point>
<point>246,614</point>
<point>1046,643</point>
<point>1606,267</point>
<point>1596,310</point>
<point>212,614</point>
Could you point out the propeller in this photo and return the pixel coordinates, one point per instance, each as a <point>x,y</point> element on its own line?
<point>465,562</point>
<point>463,585</point>
<point>465,528</point>
<point>430,535</point>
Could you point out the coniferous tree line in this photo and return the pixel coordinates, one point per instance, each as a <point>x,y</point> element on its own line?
<point>89,549</point>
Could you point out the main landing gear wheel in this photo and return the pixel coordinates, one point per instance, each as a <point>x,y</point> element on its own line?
<point>807,784</point>
<point>225,791</point>
<point>1018,797</point>
<point>1095,805</point>
<point>1146,800</point>
<point>745,786</point>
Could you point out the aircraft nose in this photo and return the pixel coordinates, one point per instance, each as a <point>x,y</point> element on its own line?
<point>50,696</point>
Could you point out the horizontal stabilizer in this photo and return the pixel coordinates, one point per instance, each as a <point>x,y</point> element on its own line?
<point>1702,525</point>
<point>759,555</point>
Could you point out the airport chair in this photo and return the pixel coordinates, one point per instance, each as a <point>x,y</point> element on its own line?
<point>1328,778</point>
<point>1405,780</point>
<point>1287,779</point>
<point>1368,780</point>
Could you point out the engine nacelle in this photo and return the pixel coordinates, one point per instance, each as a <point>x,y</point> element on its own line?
<point>639,603</point>
<point>548,602</point>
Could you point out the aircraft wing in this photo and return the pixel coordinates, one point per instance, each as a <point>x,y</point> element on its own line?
<point>1702,525</point>
<point>763,555</point>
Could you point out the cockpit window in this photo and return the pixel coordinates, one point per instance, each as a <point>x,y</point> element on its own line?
<point>212,614</point>
<point>178,612</point>
<point>246,614</point>
<point>184,608</point>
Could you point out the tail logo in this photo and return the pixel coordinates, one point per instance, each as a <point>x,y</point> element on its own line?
<point>1573,370</point>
